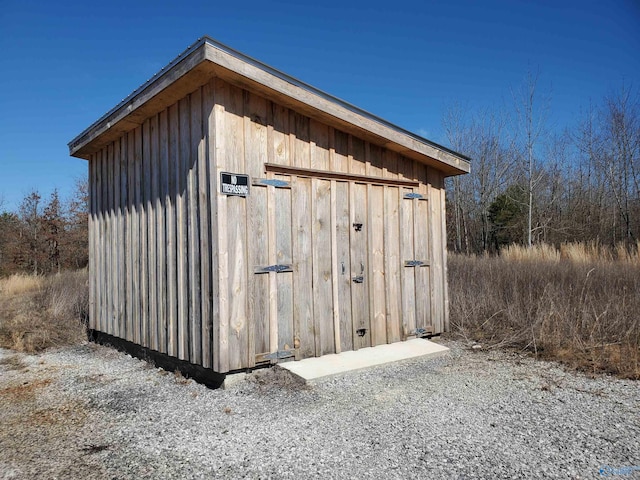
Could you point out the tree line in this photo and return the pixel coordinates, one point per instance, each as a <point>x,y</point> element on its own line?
<point>530,183</point>
<point>45,235</point>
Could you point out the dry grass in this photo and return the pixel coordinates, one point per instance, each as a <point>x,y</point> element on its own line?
<point>19,284</point>
<point>580,307</point>
<point>579,252</point>
<point>41,312</point>
<point>585,252</point>
<point>593,252</point>
<point>533,254</point>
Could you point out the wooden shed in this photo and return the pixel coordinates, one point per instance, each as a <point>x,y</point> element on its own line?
<point>239,217</point>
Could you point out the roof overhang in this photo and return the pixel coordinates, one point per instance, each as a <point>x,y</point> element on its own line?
<point>207,58</point>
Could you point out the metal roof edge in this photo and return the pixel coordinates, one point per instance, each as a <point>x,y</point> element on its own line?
<point>156,77</point>
<point>327,96</point>
<point>271,70</point>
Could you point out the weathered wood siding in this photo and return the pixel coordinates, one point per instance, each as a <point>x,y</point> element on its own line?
<point>173,262</point>
<point>150,220</point>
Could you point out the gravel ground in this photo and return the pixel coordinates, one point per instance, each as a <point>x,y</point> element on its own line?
<point>92,412</point>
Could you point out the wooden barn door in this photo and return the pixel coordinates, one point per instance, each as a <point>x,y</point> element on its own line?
<point>337,266</point>
<point>416,282</point>
<point>271,256</point>
<point>376,264</point>
<point>311,289</point>
<point>359,277</point>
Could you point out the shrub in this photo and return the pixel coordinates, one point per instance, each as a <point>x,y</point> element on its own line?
<point>40,312</point>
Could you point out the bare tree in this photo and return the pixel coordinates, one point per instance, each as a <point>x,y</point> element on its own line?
<point>454,122</point>
<point>493,162</point>
<point>531,108</point>
<point>552,204</point>
<point>587,178</point>
<point>621,154</point>
<point>3,234</point>
<point>483,136</point>
<point>31,216</point>
<point>576,186</point>
<point>76,241</point>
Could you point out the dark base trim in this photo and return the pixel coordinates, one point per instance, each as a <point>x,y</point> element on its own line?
<point>202,375</point>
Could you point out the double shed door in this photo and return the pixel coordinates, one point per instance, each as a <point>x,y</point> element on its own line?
<point>338,265</point>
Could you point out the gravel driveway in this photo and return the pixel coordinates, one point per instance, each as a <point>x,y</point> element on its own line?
<point>91,412</point>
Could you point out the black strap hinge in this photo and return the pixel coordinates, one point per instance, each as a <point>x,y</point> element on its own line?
<point>273,268</point>
<point>416,263</point>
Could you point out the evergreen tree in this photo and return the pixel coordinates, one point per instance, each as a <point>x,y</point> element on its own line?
<point>508,216</point>
<point>53,223</point>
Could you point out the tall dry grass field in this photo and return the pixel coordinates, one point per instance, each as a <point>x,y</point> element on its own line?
<point>580,305</point>
<point>40,312</point>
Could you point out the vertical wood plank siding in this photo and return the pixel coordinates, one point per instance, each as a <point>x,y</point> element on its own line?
<point>204,195</point>
<point>193,259</point>
<point>182,254</point>
<point>132,231</point>
<point>161,229</point>
<point>258,134</point>
<point>136,244</point>
<point>93,164</point>
<point>173,262</point>
<point>230,157</point>
<point>148,202</point>
<point>110,245</point>
<point>151,169</point>
<point>173,133</point>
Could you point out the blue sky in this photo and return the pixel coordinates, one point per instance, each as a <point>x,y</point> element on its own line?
<point>64,64</point>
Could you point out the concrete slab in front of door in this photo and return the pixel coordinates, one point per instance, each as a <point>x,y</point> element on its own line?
<point>314,369</point>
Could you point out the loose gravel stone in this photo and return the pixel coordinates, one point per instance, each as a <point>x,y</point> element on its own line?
<point>90,411</point>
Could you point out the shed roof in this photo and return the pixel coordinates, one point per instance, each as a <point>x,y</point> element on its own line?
<point>207,58</point>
